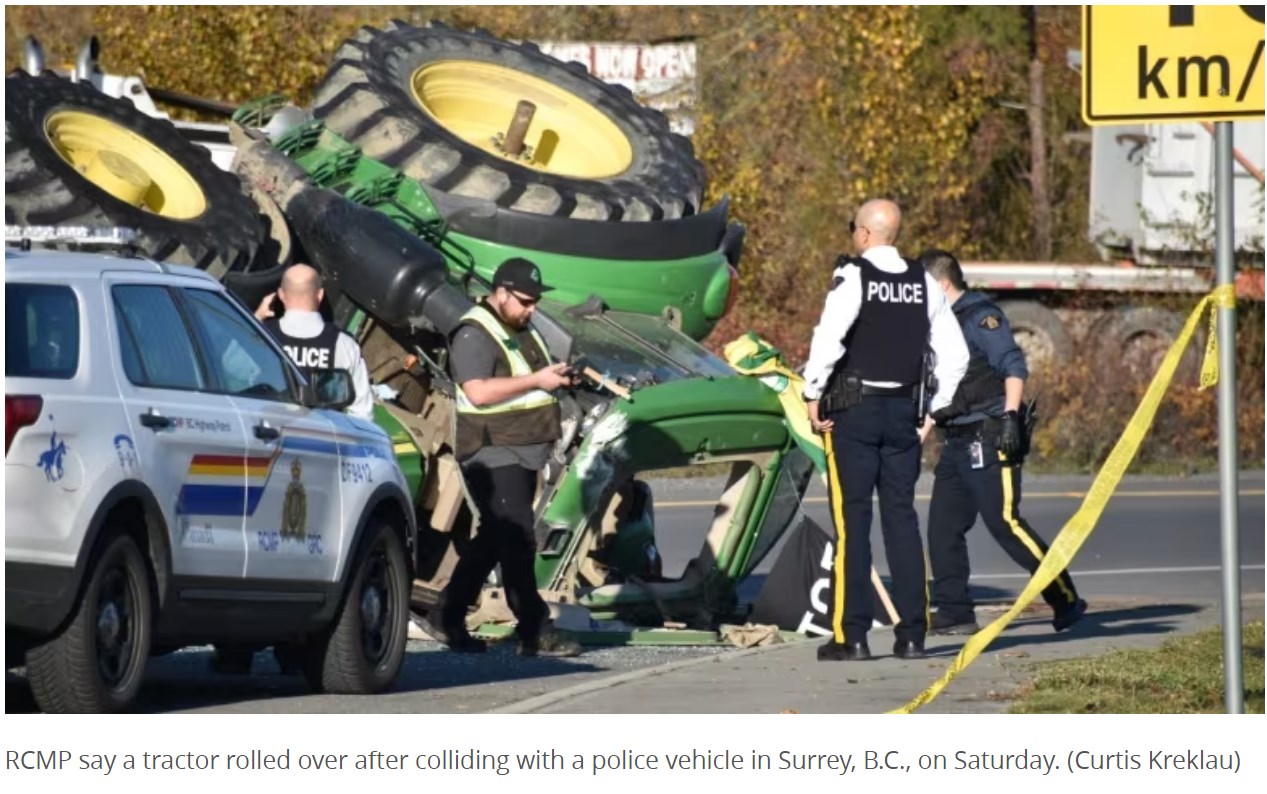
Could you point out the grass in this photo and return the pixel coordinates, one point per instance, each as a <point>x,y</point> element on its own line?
<point>1184,676</point>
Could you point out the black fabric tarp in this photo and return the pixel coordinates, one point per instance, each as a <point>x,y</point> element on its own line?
<point>797,594</point>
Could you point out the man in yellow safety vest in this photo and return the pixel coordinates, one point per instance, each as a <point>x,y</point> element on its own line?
<point>507,421</point>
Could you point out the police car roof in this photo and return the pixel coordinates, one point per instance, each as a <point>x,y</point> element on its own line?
<point>50,262</point>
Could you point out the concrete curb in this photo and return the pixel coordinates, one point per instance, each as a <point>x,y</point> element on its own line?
<point>533,704</point>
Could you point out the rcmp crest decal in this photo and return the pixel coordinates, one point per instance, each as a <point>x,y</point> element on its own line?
<point>295,505</point>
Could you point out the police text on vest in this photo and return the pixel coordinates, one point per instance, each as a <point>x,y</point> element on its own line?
<point>315,357</point>
<point>895,293</point>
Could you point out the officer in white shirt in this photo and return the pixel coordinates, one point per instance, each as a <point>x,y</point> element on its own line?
<point>863,387</point>
<point>311,342</point>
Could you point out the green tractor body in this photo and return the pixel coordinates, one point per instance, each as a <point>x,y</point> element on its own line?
<point>415,178</point>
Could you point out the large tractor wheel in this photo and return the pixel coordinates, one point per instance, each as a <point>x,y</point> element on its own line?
<point>76,157</point>
<point>438,105</point>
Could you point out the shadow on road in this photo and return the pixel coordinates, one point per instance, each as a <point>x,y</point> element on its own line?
<point>1098,624</point>
<point>184,680</point>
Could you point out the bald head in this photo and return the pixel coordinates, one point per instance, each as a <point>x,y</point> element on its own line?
<point>301,288</point>
<point>879,220</point>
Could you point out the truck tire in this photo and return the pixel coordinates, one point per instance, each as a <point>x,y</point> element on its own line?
<point>1039,332</point>
<point>96,663</point>
<point>1136,339</point>
<point>364,650</point>
<point>76,157</point>
<point>431,102</point>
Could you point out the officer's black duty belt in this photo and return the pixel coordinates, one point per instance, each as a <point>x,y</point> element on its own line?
<point>970,430</point>
<point>889,391</point>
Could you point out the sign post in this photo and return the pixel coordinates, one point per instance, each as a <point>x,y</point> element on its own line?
<point>1233,695</point>
<point>1190,63</point>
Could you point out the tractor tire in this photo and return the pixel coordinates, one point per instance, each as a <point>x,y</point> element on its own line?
<point>431,102</point>
<point>1039,332</point>
<point>76,157</point>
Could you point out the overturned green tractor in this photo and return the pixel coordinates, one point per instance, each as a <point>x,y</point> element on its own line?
<point>430,156</point>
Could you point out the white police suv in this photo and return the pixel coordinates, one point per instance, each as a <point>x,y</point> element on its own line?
<point>171,479</point>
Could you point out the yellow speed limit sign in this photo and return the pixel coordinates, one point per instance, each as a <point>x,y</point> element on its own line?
<point>1171,63</point>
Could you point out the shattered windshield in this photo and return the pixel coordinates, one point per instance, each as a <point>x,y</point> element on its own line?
<point>635,350</point>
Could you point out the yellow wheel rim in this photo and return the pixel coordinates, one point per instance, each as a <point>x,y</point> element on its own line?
<point>476,101</point>
<point>125,164</point>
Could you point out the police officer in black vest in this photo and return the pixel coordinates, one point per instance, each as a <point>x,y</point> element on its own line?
<point>979,472</point>
<point>311,342</point>
<point>863,387</point>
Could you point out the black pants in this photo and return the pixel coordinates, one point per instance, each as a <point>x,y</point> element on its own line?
<point>873,447</point>
<point>960,493</point>
<point>503,497</point>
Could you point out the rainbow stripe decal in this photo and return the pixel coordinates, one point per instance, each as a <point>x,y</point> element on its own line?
<point>225,485</point>
<point>231,485</point>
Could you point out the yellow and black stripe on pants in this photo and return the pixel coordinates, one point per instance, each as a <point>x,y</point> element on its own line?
<point>1025,536</point>
<point>874,450</point>
<point>837,498</point>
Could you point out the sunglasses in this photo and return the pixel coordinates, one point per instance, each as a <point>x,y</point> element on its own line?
<point>524,300</point>
<point>854,227</point>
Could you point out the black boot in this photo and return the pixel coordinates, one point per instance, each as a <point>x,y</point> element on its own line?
<point>453,633</point>
<point>1067,617</point>
<point>832,651</point>
<point>950,624</point>
<point>548,642</point>
<point>908,649</point>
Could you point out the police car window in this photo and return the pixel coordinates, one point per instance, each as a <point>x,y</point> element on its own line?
<point>41,324</point>
<point>157,350</point>
<point>242,359</point>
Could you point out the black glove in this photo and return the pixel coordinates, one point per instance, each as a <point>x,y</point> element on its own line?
<point>1010,434</point>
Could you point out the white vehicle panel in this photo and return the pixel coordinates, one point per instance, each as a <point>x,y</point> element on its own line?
<point>193,452</point>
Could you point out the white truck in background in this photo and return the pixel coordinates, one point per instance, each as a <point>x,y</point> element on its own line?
<point>1152,218</point>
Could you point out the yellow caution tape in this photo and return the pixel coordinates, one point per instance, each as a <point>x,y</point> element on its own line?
<point>1079,528</point>
<point>752,355</point>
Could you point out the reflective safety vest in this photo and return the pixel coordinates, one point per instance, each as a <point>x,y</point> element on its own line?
<point>530,418</point>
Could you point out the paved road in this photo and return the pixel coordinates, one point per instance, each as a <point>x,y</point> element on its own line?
<point>1156,545</point>
<point>1157,537</point>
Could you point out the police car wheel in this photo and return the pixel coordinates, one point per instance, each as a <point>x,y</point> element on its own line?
<point>97,662</point>
<point>364,651</point>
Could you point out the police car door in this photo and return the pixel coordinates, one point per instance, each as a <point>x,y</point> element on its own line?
<point>293,511</point>
<point>185,441</point>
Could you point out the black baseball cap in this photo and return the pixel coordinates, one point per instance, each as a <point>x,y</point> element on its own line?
<point>520,275</point>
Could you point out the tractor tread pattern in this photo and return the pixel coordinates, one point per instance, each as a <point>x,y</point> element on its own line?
<point>41,188</point>
<point>366,98</point>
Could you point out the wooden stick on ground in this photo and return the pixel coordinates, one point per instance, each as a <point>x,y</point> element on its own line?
<point>884,596</point>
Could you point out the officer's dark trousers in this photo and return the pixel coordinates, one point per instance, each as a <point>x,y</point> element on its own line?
<point>874,446</point>
<point>503,496</point>
<point>960,493</point>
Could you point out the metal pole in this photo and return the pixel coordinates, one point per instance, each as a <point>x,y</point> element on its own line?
<point>1228,529</point>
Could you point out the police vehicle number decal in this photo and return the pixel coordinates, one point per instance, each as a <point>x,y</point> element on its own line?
<point>353,471</point>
